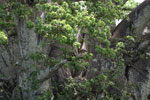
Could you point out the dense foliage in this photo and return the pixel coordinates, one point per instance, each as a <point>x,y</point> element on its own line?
<point>60,22</point>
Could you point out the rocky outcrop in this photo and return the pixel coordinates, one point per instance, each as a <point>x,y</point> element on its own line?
<point>16,64</point>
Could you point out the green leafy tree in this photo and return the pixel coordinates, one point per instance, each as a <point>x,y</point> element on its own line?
<point>67,49</point>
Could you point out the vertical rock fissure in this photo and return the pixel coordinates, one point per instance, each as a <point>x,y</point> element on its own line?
<point>127,72</point>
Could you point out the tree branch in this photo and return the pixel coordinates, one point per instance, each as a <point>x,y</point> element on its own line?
<point>4,80</point>
<point>52,70</point>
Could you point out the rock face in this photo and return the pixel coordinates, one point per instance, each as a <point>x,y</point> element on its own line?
<point>15,63</point>
<point>138,72</point>
<point>139,76</point>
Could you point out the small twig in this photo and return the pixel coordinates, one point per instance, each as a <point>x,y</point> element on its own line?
<point>4,60</point>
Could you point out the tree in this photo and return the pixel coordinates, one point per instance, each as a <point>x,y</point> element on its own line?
<point>64,50</point>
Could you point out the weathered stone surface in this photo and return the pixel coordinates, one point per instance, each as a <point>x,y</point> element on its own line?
<point>15,61</point>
